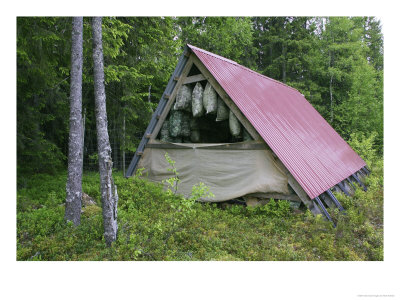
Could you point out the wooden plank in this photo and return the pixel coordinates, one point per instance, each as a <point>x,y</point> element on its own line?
<point>290,197</point>
<point>257,145</point>
<point>166,96</point>
<point>171,99</point>
<point>349,189</point>
<point>298,189</point>
<point>336,189</point>
<point>327,200</point>
<point>225,97</point>
<point>176,78</point>
<point>194,78</point>
<point>148,135</point>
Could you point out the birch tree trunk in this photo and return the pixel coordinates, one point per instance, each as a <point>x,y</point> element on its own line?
<point>75,154</point>
<point>109,195</point>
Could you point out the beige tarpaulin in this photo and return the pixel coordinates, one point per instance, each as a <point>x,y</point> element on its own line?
<point>228,173</point>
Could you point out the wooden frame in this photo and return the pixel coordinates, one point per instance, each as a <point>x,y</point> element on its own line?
<point>225,97</point>
<point>204,75</point>
<point>194,78</point>
<point>290,197</point>
<point>251,145</point>
<point>172,97</point>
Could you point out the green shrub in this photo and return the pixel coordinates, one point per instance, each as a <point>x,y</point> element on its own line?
<point>364,146</point>
<point>156,225</point>
<point>273,208</point>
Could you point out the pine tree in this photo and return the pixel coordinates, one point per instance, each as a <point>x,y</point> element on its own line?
<point>231,37</point>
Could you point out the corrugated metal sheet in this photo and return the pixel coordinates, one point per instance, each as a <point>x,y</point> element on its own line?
<point>307,145</point>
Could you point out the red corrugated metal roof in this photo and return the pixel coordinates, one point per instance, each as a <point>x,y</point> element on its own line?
<point>307,145</point>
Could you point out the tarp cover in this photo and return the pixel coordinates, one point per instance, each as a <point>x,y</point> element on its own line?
<point>228,173</point>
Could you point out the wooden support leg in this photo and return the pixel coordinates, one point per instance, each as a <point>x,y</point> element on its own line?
<point>328,201</point>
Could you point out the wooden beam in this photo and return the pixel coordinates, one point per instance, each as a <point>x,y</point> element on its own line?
<point>290,197</point>
<point>349,189</point>
<point>171,99</point>
<point>225,97</point>
<point>194,78</point>
<point>327,200</point>
<point>251,145</point>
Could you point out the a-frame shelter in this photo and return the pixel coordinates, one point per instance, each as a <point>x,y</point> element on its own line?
<point>315,160</point>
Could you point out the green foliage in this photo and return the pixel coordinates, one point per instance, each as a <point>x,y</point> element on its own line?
<point>231,37</point>
<point>155,225</point>
<point>94,157</point>
<point>200,191</point>
<point>318,56</point>
<point>182,204</point>
<point>365,147</point>
<point>172,181</point>
<point>138,53</point>
<point>335,62</point>
<point>42,93</point>
<point>362,110</point>
<point>274,208</point>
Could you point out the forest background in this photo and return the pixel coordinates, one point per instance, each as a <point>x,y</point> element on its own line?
<point>157,273</point>
<point>336,62</point>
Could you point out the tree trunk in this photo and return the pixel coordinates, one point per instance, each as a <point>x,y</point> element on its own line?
<point>109,195</point>
<point>75,153</point>
<point>331,96</point>
<point>123,144</point>
<point>115,140</point>
<point>284,50</point>
<point>149,98</point>
<point>83,132</point>
<point>270,59</point>
<point>331,84</point>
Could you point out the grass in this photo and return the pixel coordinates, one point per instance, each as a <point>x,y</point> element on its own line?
<point>154,225</point>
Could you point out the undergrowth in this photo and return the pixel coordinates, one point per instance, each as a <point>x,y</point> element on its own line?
<point>157,225</point>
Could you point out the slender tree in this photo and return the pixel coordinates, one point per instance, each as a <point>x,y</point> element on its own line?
<point>75,152</point>
<point>109,195</point>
